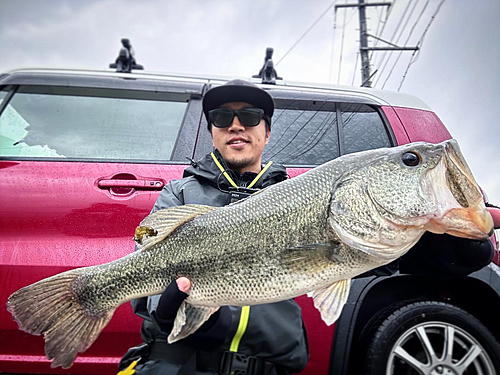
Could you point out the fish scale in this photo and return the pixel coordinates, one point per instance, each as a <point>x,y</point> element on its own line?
<point>310,234</point>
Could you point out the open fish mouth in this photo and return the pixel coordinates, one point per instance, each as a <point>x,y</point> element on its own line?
<point>462,212</point>
<point>474,223</point>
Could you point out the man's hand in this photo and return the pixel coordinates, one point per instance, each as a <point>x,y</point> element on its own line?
<point>170,301</point>
<point>211,334</point>
<point>184,284</point>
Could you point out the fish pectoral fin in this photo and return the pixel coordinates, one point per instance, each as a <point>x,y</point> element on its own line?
<point>373,248</point>
<point>158,225</point>
<point>189,318</point>
<point>331,299</point>
<point>324,252</point>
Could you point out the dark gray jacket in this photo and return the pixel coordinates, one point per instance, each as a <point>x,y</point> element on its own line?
<point>275,331</point>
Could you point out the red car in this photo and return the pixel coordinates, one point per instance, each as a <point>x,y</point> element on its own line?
<point>84,155</point>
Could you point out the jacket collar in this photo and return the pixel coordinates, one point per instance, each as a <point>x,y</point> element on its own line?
<point>206,169</point>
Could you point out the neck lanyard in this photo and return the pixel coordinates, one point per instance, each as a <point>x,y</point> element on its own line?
<point>230,180</point>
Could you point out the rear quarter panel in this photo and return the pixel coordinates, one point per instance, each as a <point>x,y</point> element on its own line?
<point>422,126</point>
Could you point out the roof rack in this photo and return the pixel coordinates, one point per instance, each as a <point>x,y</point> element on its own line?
<point>125,61</point>
<point>267,72</point>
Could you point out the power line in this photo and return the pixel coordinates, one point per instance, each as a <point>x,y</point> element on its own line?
<point>379,19</point>
<point>333,38</point>
<point>401,20</point>
<point>387,15</point>
<point>378,28</point>
<point>420,42</point>
<point>407,20</point>
<point>364,35</point>
<point>341,49</point>
<point>309,29</point>
<point>407,39</point>
<point>355,65</point>
<point>333,44</point>
<point>388,54</point>
<point>350,18</point>
<point>392,40</point>
<point>397,39</point>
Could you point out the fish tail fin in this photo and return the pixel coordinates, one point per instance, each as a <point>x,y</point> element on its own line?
<point>49,307</point>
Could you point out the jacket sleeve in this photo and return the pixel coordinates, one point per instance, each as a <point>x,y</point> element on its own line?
<point>170,196</point>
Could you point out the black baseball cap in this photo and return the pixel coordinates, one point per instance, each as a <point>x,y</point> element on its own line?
<point>238,90</point>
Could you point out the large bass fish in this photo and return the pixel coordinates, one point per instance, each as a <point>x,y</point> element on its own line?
<point>312,233</point>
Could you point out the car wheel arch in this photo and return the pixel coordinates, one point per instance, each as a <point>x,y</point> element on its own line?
<point>435,337</point>
<point>365,302</point>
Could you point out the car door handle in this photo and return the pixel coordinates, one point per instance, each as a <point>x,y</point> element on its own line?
<point>133,184</point>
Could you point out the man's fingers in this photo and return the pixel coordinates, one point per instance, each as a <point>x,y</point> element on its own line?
<point>170,301</point>
<point>184,284</point>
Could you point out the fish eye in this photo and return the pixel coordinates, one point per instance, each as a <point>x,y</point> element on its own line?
<point>411,159</point>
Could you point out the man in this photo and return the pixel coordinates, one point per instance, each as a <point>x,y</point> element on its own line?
<point>262,339</point>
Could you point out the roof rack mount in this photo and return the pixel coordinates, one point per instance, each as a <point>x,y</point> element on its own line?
<point>125,61</point>
<point>268,73</point>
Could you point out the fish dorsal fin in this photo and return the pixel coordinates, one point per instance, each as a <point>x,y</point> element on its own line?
<point>188,319</point>
<point>158,225</point>
<point>331,299</point>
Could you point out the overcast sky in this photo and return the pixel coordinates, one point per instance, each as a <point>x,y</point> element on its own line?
<point>456,72</point>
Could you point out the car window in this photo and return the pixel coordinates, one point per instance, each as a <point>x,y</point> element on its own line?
<point>362,128</point>
<point>303,133</point>
<point>3,94</point>
<point>91,124</point>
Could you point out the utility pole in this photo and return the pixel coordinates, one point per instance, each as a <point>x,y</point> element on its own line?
<point>363,42</point>
<point>363,39</point>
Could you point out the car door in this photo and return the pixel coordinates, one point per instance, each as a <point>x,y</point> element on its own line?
<point>80,167</point>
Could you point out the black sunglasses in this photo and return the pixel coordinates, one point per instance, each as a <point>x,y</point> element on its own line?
<point>223,117</point>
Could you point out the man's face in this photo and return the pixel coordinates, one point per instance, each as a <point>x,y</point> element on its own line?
<point>240,146</point>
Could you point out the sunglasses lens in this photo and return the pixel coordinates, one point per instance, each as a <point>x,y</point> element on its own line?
<point>221,118</point>
<point>250,116</point>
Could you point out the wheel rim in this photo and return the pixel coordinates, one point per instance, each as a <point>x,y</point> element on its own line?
<point>437,348</point>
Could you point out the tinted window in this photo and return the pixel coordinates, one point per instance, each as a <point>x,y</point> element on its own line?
<point>95,124</point>
<point>303,133</point>
<point>362,128</point>
<point>3,94</point>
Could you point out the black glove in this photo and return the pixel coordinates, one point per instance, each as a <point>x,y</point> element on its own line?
<point>445,255</point>
<point>209,336</point>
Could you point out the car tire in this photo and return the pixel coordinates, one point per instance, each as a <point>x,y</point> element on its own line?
<point>430,337</point>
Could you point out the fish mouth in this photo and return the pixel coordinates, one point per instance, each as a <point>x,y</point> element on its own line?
<point>474,223</point>
<point>459,178</point>
<point>462,210</point>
